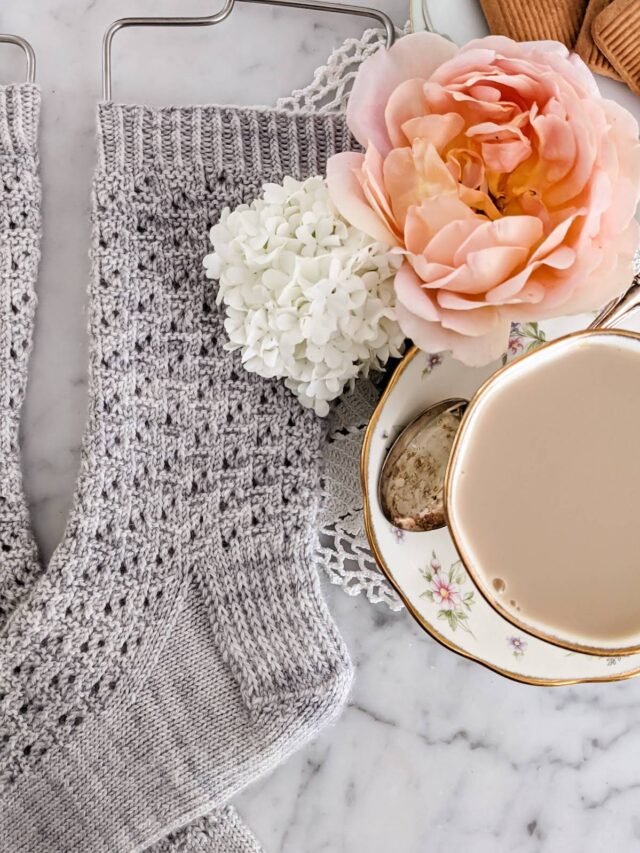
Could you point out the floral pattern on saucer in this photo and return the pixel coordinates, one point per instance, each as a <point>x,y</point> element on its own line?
<point>447,591</point>
<point>524,338</point>
<point>434,360</point>
<point>517,645</point>
<point>424,567</point>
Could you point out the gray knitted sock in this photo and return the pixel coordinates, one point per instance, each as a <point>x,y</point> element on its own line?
<point>19,258</point>
<point>177,646</point>
<point>20,227</point>
<point>220,832</point>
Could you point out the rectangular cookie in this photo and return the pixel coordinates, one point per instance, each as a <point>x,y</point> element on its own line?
<point>526,20</point>
<point>586,47</point>
<point>616,31</point>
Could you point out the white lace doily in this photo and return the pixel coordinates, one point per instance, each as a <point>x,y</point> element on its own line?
<point>342,550</point>
<point>329,90</point>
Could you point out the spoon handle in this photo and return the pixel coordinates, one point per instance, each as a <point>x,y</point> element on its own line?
<point>615,311</point>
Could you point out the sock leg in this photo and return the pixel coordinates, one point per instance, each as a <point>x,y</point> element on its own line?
<point>20,225</point>
<point>177,646</point>
<point>20,232</point>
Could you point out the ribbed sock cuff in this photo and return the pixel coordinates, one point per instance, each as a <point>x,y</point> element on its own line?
<point>219,139</point>
<point>267,608</point>
<point>19,118</point>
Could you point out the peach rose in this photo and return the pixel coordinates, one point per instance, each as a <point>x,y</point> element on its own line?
<point>501,175</point>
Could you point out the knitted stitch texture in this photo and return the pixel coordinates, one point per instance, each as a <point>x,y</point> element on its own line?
<point>177,646</point>
<point>19,257</point>
<point>20,230</point>
<point>221,832</point>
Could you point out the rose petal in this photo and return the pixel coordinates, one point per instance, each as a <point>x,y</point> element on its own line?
<point>426,270</point>
<point>372,180</point>
<point>474,352</point>
<point>460,302</point>
<point>444,220</point>
<point>476,323</point>
<point>347,195</point>
<point>413,296</point>
<point>439,130</point>
<point>414,56</point>
<point>522,231</point>
<point>405,103</point>
<point>561,258</point>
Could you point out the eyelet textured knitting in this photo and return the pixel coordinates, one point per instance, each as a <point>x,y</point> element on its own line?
<point>20,220</point>
<point>177,645</point>
<point>19,258</point>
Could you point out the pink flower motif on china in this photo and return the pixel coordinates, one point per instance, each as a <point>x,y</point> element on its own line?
<point>503,178</point>
<point>515,344</point>
<point>445,593</point>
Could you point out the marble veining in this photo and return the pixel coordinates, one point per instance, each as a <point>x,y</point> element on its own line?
<point>433,753</point>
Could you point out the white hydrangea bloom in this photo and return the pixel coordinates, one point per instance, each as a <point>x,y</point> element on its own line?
<point>308,298</point>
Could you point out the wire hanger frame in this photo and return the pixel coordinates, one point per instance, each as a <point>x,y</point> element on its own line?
<point>225,11</point>
<point>28,51</point>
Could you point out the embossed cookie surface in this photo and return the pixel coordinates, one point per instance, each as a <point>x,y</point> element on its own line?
<point>586,47</point>
<point>616,31</point>
<point>527,20</point>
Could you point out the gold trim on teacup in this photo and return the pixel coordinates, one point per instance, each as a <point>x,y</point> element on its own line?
<point>422,622</point>
<point>451,523</point>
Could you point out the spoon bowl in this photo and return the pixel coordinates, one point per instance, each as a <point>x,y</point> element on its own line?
<point>410,488</point>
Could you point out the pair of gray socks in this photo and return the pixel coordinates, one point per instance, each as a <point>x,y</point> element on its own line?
<point>177,646</point>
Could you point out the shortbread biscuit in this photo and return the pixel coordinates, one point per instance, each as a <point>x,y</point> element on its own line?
<point>527,20</point>
<point>616,31</point>
<point>586,46</point>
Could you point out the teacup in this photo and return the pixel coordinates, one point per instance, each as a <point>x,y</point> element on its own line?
<point>542,491</point>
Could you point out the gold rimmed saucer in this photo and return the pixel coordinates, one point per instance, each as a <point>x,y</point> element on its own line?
<point>425,568</point>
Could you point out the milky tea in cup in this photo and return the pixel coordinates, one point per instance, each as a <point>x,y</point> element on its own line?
<point>543,492</point>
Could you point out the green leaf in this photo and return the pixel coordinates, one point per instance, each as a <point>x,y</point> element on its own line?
<point>533,330</point>
<point>528,330</point>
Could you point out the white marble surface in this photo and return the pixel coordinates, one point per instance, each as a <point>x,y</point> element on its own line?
<point>433,753</point>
